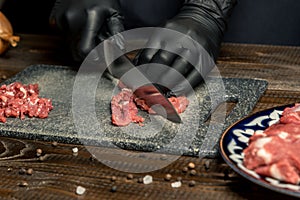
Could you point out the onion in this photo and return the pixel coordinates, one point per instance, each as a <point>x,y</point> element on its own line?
<point>6,34</point>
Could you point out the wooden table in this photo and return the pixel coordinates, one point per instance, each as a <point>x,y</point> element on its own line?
<point>57,173</point>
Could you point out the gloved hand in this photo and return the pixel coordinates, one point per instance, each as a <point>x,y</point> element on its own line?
<point>200,20</point>
<point>86,23</point>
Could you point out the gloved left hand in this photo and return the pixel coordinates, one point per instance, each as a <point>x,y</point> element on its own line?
<point>86,23</point>
<point>201,24</point>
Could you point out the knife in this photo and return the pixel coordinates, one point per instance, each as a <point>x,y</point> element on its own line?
<point>123,69</point>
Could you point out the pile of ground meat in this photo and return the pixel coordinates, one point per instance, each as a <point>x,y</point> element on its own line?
<point>18,100</point>
<point>275,151</point>
<point>125,105</point>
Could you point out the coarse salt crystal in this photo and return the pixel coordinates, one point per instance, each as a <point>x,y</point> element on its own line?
<point>176,184</point>
<point>75,150</point>
<point>147,179</point>
<point>80,190</point>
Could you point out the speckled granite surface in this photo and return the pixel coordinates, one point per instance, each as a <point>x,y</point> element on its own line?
<point>192,137</point>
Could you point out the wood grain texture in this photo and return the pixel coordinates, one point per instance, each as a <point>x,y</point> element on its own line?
<point>57,172</point>
<point>279,65</point>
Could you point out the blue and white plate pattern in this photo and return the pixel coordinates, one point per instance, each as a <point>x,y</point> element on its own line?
<point>235,139</point>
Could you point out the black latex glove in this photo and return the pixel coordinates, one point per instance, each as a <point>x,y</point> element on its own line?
<point>86,23</point>
<point>202,20</point>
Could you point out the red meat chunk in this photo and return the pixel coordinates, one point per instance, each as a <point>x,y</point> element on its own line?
<point>124,110</point>
<point>282,170</point>
<point>275,151</point>
<point>124,107</point>
<point>18,100</point>
<point>179,103</point>
<point>275,157</point>
<point>291,115</point>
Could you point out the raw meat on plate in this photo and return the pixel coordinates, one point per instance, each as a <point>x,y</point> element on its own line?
<point>275,151</point>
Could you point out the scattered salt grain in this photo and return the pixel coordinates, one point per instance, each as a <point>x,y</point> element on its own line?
<point>80,190</point>
<point>176,184</point>
<point>75,151</point>
<point>147,179</point>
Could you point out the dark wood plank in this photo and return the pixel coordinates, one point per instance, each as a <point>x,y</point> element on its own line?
<point>57,173</point>
<point>32,50</point>
<point>279,65</point>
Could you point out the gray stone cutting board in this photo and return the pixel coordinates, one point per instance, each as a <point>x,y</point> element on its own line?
<point>56,82</point>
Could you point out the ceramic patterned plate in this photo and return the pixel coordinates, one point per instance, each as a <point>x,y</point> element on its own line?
<point>235,139</point>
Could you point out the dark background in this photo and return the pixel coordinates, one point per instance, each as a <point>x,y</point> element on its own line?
<point>29,16</point>
<point>253,21</point>
<point>265,22</point>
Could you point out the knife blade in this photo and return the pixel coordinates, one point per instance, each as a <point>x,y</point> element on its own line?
<point>123,69</point>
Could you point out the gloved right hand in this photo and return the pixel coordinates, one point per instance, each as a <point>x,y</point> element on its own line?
<point>202,23</point>
<point>86,23</point>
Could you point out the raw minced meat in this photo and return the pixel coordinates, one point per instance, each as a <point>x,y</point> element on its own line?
<point>18,100</point>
